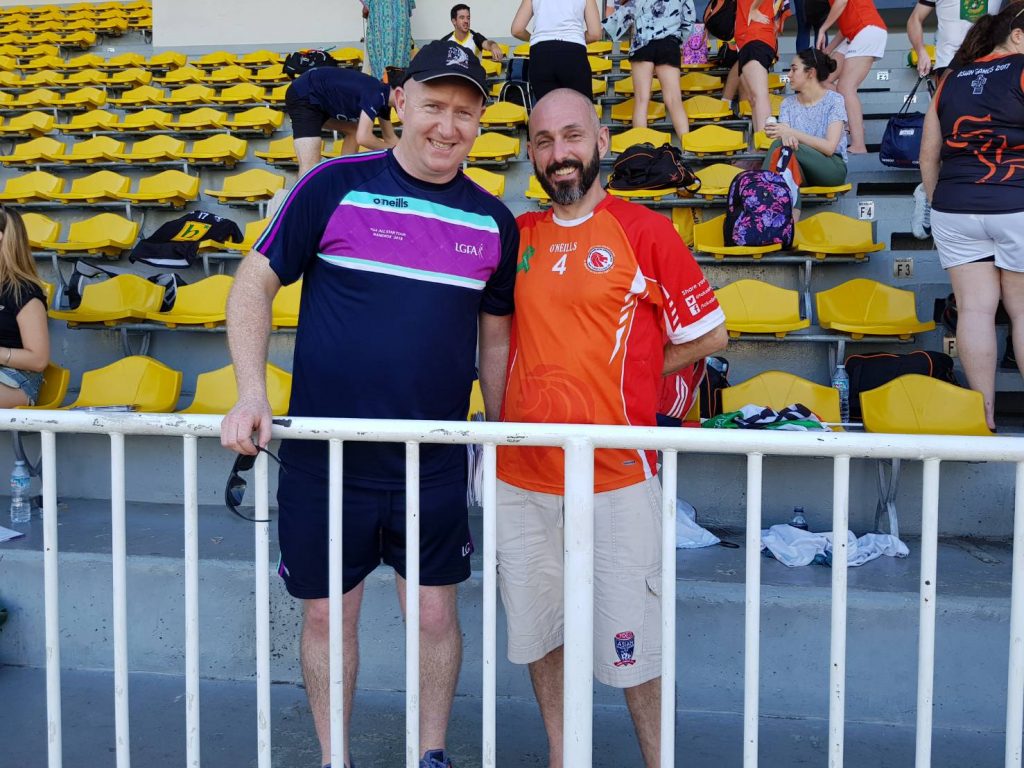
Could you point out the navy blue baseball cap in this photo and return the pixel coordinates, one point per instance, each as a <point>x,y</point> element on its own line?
<point>442,58</point>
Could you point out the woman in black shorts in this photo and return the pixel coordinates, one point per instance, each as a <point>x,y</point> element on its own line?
<point>558,43</point>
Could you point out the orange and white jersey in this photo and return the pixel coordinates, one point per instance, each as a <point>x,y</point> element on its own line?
<point>595,300</point>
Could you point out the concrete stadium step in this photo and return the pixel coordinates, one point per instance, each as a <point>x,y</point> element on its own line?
<point>228,733</point>
<point>973,599</point>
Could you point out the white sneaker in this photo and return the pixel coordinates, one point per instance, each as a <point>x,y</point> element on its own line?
<point>921,219</point>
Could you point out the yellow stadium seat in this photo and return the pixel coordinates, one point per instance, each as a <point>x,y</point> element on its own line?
<point>348,56</point>
<point>144,120</point>
<point>753,306</point>
<point>84,61</point>
<point>624,87</point>
<point>53,390</point>
<point>41,62</point>
<point>29,187</point>
<point>10,80</point>
<point>7,63</point>
<point>476,401</point>
<point>244,93</point>
<point>222,149</point>
<point>188,94</point>
<point>262,119</point>
<point>699,82</point>
<point>623,141</point>
<point>775,82</point>
<point>828,233</point>
<point>709,237</point>
<point>279,151</point>
<point>28,124</point>
<point>762,142</point>
<point>249,186</point>
<point>173,188</point>
<point>94,77</point>
<point>260,58</point>
<point>106,233</point>
<point>276,95</point>
<point>503,114</point>
<point>94,188</point>
<point>494,147</point>
<point>229,74</point>
<point>492,182</point>
<point>599,88</point>
<point>775,100</point>
<point>599,66</point>
<point>138,381</point>
<point>42,78</point>
<point>523,49</point>
<point>95,150</point>
<point>83,98</point>
<point>217,391</point>
<point>491,67</point>
<point>122,61</point>
<point>777,389</point>
<point>134,97</point>
<point>623,111</point>
<point>202,303</point>
<point>81,40</point>
<point>715,179</point>
<point>823,193</point>
<point>202,119</point>
<point>643,194</point>
<point>599,48</point>
<point>165,60</point>
<point>130,78</point>
<point>706,108</point>
<point>271,75</point>
<point>181,76</point>
<point>912,56</point>
<point>250,235</point>
<point>486,53</point>
<point>864,307</point>
<point>156,149</point>
<point>285,309</point>
<point>40,97</point>
<point>921,405</point>
<point>40,229</point>
<point>714,140</point>
<point>35,151</point>
<point>120,298</point>
<point>534,191</point>
<point>215,59</point>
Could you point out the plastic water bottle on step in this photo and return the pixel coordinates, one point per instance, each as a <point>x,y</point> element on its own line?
<point>799,521</point>
<point>841,382</point>
<point>21,505</point>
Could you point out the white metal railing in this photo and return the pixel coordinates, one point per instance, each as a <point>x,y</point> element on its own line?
<point>579,442</point>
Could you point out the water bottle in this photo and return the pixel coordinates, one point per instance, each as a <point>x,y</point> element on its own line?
<point>841,382</point>
<point>799,521</point>
<point>21,505</point>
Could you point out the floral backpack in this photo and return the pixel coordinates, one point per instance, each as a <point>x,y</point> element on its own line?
<point>695,50</point>
<point>759,210</point>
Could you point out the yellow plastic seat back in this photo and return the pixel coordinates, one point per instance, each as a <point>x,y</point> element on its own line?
<point>34,151</point>
<point>217,391</point>
<point>144,94</point>
<point>215,59</point>
<point>260,118</point>
<point>229,74</point>
<point>713,140</point>
<point>93,120</point>
<point>753,306</point>
<point>31,123</point>
<point>490,181</point>
<point>252,185</point>
<point>243,93</point>
<point>53,389</point>
<point>921,405</point>
<point>204,118</point>
<point>775,100</point>
<point>534,191</point>
<point>832,233</point>
<point>35,185</point>
<point>182,76</point>
<point>41,229</point>
<point>494,146</point>
<point>777,389</point>
<point>625,87</point>
<point>94,150</point>
<point>706,108</point>
<point>623,141</point>
<point>716,178</point>
<point>174,187</point>
<point>144,120</point>
<point>221,148</point>
<point>123,297</point>
<point>285,309</point>
<point>139,381</point>
<point>503,113</point>
<point>623,111</point>
<point>866,307</point>
<point>189,94</point>
<point>698,82</point>
<point>96,187</point>
<point>709,237</point>
<point>476,401</point>
<point>278,150</point>
<point>201,303</point>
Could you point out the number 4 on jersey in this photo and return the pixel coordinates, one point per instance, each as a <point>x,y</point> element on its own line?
<point>560,264</point>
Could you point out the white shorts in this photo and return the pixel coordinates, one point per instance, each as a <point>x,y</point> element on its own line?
<point>627,578</point>
<point>870,41</point>
<point>963,238</point>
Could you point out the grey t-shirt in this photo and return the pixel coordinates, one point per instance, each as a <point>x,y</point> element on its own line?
<point>816,118</point>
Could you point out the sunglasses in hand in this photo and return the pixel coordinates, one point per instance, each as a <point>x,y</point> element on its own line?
<point>234,491</point>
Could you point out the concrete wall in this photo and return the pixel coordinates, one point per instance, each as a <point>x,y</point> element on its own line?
<point>258,22</point>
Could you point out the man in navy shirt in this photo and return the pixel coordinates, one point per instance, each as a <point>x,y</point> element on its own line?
<point>338,99</point>
<point>401,258</point>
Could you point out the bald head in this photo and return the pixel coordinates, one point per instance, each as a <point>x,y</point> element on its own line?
<point>560,108</point>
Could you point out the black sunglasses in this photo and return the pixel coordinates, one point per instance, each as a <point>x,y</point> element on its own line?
<point>234,491</point>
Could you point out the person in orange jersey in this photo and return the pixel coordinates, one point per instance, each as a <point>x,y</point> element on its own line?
<point>601,284</point>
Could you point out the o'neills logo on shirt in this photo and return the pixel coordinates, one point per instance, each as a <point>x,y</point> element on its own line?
<point>391,202</point>
<point>562,248</point>
<point>600,259</point>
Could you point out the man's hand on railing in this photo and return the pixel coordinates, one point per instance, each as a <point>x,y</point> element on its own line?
<point>249,415</point>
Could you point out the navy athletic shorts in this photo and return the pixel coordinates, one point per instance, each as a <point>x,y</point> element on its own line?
<point>373,532</point>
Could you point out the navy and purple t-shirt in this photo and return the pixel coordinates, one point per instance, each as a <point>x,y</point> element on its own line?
<point>396,271</point>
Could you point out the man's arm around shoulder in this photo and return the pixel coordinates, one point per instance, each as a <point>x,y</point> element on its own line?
<point>248,322</point>
<point>494,346</point>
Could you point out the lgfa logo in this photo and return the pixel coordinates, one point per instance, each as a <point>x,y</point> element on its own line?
<point>600,259</point>
<point>472,250</point>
